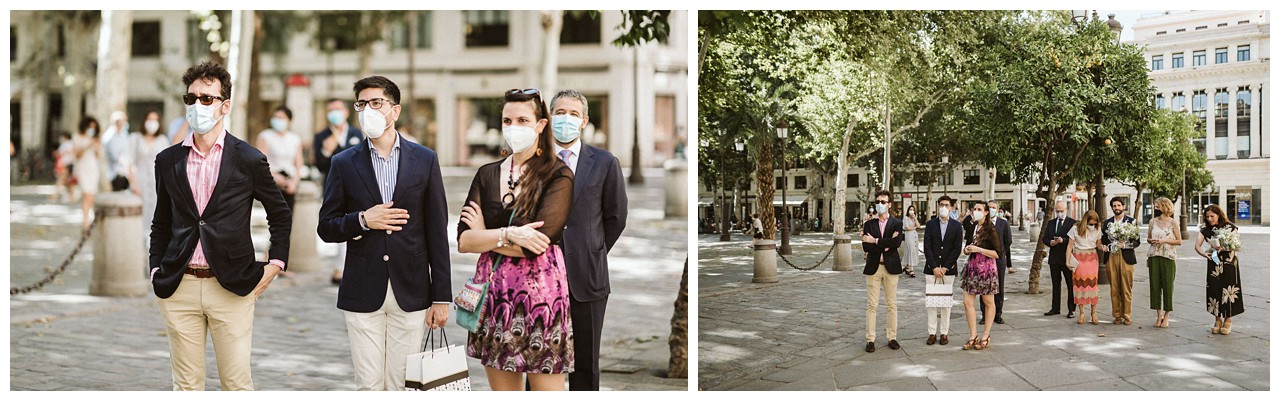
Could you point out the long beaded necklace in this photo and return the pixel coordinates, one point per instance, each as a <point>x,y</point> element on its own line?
<point>510,197</point>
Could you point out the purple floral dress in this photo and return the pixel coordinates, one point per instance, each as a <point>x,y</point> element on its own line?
<point>525,325</point>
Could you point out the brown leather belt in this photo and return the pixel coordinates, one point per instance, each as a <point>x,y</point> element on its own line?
<point>201,272</point>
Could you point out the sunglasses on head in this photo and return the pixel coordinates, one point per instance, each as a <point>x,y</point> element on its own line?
<point>206,100</point>
<point>530,91</point>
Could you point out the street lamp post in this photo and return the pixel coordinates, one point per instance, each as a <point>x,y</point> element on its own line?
<point>724,201</point>
<point>783,129</point>
<point>739,146</point>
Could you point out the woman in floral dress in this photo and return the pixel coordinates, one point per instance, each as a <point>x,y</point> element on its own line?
<point>1222,289</point>
<point>980,276</point>
<point>1084,243</point>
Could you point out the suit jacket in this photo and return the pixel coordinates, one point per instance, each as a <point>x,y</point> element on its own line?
<point>887,245</point>
<point>595,222</point>
<point>1006,241</point>
<point>968,225</point>
<point>1057,253</point>
<point>414,259</point>
<point>1128,255</point>
<point>223,228</point>
<point>942,249</point>
<point>354,138</point>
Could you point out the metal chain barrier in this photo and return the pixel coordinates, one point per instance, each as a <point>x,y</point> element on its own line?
<point>63,268</point>
<point>805,269</point>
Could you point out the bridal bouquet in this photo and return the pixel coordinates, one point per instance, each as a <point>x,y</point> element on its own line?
<point>1227,238</point>
<point>1122,234</point>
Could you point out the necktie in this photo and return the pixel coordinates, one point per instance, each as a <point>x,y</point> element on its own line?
<point>564,156</point>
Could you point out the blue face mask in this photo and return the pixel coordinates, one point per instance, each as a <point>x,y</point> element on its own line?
<point>279,124</point>
<point>955,215</point>
<point>335,117</point>
<point>881,208</point>
<point>565,127</point>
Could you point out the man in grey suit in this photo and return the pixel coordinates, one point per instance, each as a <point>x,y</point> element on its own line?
<point>1003,263</point>
<point>599,214</point>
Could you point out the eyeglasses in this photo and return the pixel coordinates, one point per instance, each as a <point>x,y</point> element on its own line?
<point>376,103</point>
<point>206,100</point>
<point>530,91</point>
<point>882,202</point>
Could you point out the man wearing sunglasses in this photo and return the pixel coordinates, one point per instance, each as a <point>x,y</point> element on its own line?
<point>384,199</point>
<point>201,253</point>
<point>881,237</point>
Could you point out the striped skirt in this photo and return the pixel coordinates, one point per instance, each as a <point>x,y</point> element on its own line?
<point>1084,279</point>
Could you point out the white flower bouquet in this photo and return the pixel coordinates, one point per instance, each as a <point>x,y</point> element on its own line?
<point>1122,234</point>
<point>1227,238</point>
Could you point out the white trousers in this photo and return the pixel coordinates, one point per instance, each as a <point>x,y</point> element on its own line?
<point>939,320</point>
<point>381,340</point>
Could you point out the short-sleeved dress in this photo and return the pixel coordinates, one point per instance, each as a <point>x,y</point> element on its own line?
<point>524,325</point>
<point>980,275</point>
<point>1223,296</point>
<point>1084,279</point>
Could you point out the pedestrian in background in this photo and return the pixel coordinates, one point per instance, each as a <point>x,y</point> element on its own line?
<point>64,158</point>
<point>943,238</point>
<point>910,226</point>
<point>115,146</point>
<point>1224,296</point>
<point>284,153</point>
<point>515,215</point>
<point>88,150</point>
<point>337,136</point>
<point>1085,244</point>
<point>980,276</point>
<point>143,149</point>
<point>1055,237</point>
<point>1164,237</point>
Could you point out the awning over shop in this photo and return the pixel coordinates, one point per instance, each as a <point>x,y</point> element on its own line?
<point>792,200</point>
<point>706,201</point>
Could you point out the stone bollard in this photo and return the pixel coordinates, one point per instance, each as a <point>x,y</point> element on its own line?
<point>302,238</point>
<point>118,258</point>
<point>766,261</point>
<point>1035,232</point>
<point>844,253</point>
<point>677,204</point>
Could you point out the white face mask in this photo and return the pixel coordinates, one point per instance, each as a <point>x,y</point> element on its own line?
<point>1057,215</point>
<point>373,123</point>
<point>944,212</point>
<point>520,138</point>
<point>978,215</point>
<point>200,118</point>
<point>91,132</point>
<point>566,127</point>
<point>279,124</point>
<point>151,126</point>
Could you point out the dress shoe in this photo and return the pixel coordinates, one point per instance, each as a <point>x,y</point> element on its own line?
<point>893,344</point>
<point>1071,314</point>
<point>943,340</point>
<point>1052,312</point>
<point>871,347</point>
<point>933,339</point>
<point>999,320</point>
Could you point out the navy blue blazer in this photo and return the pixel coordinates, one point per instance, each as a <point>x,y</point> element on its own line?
<point>942,249</point>
<point>1127,254</point>
<point>887,245</point>
<point>354,137</point>
<point>595,222</point>
<point>416,258</point>
<point>223,228</point>
<point>1006,241</point>
<point>1058,253</point>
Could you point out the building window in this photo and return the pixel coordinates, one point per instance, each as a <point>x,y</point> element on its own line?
<point>802,182</point>
<point>1161,33</point>
<point>1199,108</point>
<point>779,182</point>
<point>1202,27</point>
<point>146,39</point>
<point>1242,53</point>
<point>971,177</point>
<point>1222,24</point>
<point>1157,63</point>
<point>399,35</point>
<point>948,177</point>
<point>1244,100</point>
<point>1179,102</point>
<point>1180,30</point>
<point>1220,55</point>
<point>1242,22</point>
<point>580,27</point>
<point>1221,102</point>
<point>1177,60</point>
<point>1197,58</point>
<point>487,28</point>
<point>852,181</point>
<point>1003,177</point>
<point>13,44</point>
<point>1160,101</point>
<point>336,30</point>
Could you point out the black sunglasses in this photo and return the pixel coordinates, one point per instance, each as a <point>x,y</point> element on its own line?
<point>530,91</point>
<point>206,100</point>
<point>882,202</point>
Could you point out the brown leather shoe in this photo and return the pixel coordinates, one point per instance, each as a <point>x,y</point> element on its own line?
<point>932,340</point>
<point>871,346</point>
<point>893,344</point>
<point>943,340</point>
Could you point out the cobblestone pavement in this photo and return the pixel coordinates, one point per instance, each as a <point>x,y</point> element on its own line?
<point>61,338</point>
<point>807,332</point>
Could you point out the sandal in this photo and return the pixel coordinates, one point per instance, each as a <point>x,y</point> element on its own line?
<point>984,343</point>
<point>969,344</point>
<point>1217,326</point>
<point>1080,319</point>
<point>1226,328</point>
<point>1094,318</point>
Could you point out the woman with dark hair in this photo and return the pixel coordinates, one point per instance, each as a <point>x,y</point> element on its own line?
<point>1222,288</point>
<point>980,277</point>
<point>143,148</point>
<point>514,215</point>
<point>88,148</point>
<point>284,153</point>
<point>1084,242</point>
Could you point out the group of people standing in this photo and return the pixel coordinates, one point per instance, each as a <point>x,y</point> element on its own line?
<point>548,213</point>
<point>1077,249</point>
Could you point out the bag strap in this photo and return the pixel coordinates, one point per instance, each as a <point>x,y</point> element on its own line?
<point>429,339</point>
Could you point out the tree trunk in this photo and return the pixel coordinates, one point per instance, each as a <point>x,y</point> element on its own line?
<point>1136,205</point>
<point>407,98</point>
<point>552,22</point>
<point>1100,203</point>
<point>1037,259</point>
<point>678,365</point>
<point>112,84</point>
<point>257,116</point>
<point>80,47</point>
<point>842,166</point>
<point>765,185</point>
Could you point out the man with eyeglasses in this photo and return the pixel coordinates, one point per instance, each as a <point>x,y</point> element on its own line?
<point>384,199</point>
<point>202,256</point>
<point>881,237</point>
<point>337,136</point>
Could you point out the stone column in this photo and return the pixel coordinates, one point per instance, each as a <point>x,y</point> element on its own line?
<point>766,261</point>
<point>302,238</point>
<point>1254,118</point>
<point>844,253</point>
<point>117,257</point>
<point>677,188</point>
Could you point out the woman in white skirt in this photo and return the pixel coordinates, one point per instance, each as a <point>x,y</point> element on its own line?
<point>910,226</point>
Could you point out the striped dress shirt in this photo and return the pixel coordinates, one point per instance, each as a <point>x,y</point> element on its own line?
<point>385,169</point>
<point>202,172</point>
